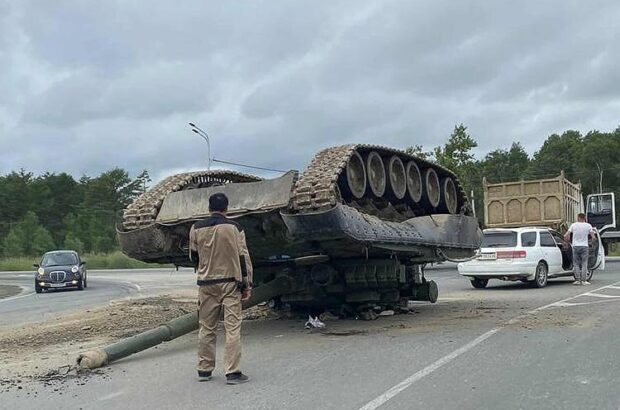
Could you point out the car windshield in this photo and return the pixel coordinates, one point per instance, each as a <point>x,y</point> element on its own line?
<point>499,240</point>
<point>59,259</point>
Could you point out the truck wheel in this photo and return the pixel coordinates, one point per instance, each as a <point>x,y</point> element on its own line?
<point>37,288</point>
<point>540,279</point>
<point>479,283</point>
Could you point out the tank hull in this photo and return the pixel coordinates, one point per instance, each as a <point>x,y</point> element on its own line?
<point>356,208</point>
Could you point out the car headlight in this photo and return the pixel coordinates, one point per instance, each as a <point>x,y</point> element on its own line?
<point>75,269</point>
<point>40,271</point>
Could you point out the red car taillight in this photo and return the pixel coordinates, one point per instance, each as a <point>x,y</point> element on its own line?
<point>511,254</point>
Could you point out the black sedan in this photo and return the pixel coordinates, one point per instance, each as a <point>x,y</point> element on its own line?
<point>59,270</point>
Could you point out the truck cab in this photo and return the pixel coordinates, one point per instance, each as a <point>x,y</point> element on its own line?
<point>601,214</point>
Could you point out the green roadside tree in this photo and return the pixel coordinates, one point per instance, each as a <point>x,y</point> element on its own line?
<point>28,238</point>
<point>73,243</point>
<point>418,151</point>
<point>503,165</point>
<point>42,241</point>
<point>13,244</point>
<point>558,152</point>
<point>456,153</point>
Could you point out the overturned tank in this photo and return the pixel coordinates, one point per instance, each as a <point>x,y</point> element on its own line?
<point>355,229</point>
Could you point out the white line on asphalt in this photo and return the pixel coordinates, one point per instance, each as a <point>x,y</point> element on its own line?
<point>599,295</point>
<point>16,297</point>
<point>380,400</point>
<point>559,303</point>
<point>383,398</point>
<point>596,302</point>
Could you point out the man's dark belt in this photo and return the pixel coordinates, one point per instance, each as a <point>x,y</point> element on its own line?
<point>214,281</point>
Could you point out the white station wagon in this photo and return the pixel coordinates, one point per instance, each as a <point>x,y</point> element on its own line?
<point>526,254</point>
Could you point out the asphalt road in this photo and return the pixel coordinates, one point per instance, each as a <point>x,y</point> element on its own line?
<point>104,286</point>
<point>504,347</point>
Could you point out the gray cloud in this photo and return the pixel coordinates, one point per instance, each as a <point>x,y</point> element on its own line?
<point>114,84</point>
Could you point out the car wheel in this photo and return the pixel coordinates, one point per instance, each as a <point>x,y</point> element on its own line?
<point>589,275</point>
<point>540,279</point>
<point>85,282</point>
<point>479,283</point>
<point>37,288</point>
<point>81,284</point>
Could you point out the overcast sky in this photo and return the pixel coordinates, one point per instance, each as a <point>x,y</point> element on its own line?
<point>89,85</point>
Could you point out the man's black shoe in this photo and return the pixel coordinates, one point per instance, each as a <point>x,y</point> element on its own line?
<point>236,378</point>
<point>204,376</point>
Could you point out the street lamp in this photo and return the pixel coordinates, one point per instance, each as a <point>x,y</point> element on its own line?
<point>205,137</point>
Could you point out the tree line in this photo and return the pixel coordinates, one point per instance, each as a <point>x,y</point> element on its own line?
<point>591,159</point>
<point>38,213</point>
<point>52,211</point>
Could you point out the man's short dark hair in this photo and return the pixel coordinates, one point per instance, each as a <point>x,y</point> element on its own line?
<point>581,216</point>
<point>218,203</point>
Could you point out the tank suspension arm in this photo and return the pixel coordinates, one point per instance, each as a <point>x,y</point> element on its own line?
<point>175,328</point>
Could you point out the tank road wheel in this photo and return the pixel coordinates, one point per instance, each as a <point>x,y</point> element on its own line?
<point>540,279</point>
<point>414,182</point>
<point>397,178</point>
<point>356,175</point>
<point>449,197</point>
<point>479,283</point>
<point>376,174</point>
<point>433,191</point>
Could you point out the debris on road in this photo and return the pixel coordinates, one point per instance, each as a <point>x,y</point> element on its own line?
<point>368,315</point>
<point>314,323</point>
<point>327,316</point>
<point>43,351</point>
<point>387,313</point>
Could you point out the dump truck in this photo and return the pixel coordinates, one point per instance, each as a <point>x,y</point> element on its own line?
<point>552,202</point>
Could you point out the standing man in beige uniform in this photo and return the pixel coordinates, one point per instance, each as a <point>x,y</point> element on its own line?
<point>218,247</point>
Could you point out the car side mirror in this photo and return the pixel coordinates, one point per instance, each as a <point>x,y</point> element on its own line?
<point>36,265</point>
<point>82,263</point>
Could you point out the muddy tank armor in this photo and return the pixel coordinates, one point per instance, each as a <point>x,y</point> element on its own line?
<point>355,229</point>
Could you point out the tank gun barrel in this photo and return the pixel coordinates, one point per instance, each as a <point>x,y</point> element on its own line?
<point>174,328</point>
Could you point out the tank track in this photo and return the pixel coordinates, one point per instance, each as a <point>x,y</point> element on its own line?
<point>143,211</point>
<point>317,188</point>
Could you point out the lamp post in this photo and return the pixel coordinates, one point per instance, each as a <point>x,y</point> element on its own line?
<point>205,137</point>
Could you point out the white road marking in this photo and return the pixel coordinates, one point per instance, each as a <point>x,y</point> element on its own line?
<point>559,303</point>
<point>596,302</point>
<point>16,297</point>
<point>383,398</point>
<point>393,391</point>
<point>598,295</point>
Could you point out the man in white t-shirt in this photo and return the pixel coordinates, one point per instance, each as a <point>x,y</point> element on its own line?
<point>582,232</point>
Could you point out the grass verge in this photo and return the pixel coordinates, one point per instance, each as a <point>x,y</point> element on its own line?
<point>114,260</point>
